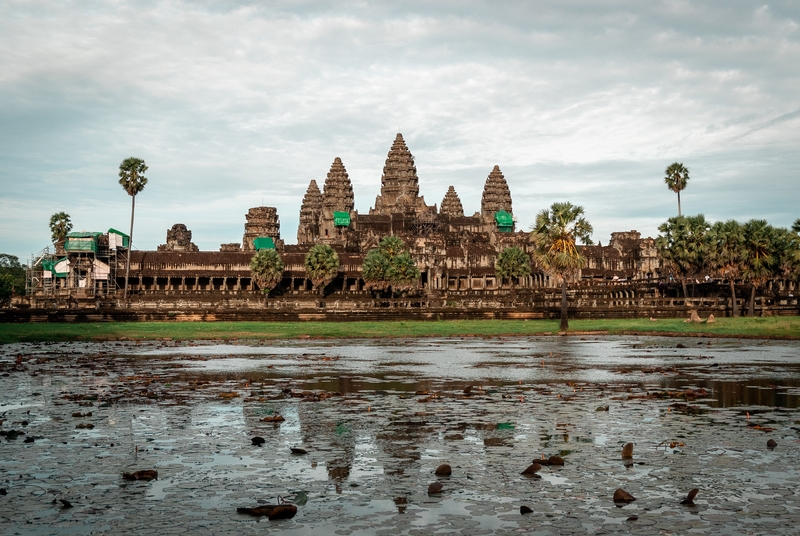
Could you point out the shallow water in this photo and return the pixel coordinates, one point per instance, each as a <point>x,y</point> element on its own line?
<point>376,418</point>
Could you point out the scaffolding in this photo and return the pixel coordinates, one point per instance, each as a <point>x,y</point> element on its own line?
<point>86,264</point>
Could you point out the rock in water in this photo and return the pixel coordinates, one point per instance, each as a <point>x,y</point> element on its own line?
<point>690,497</point>
<point>258,441</point>
<point>622,496</point>
<point>147,474</point>
<point>532,469</point>
<point>298,451</point>
<point>525,510</point>
<point>435,487</point>
<point>556,460</point>
<point>282,511</point>
<point>627,450</point>
<point>272,511</point>
<point>771,444</point>
<point>443,470</point>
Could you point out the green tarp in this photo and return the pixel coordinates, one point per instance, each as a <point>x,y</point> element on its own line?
<point>341,219</point>
<point>49,265</point>
<point>82,241</point>
<point>505,221</point>
<point>126,239</point>
<point>263,242</point>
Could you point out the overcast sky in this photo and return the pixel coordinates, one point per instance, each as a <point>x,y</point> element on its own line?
<point>238,104</point>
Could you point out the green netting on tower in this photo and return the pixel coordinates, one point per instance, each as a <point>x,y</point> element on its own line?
<point>341,219</point>
<point>263,242</point>
<point>504,220</point>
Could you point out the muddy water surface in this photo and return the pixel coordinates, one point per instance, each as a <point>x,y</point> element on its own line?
<point>376,418</point>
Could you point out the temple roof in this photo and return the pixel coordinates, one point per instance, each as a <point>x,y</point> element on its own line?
<point>496,195</point>
<point>399,183</point>
<point>338,195</point>
<point>312,202</point>
<point>451,204</point>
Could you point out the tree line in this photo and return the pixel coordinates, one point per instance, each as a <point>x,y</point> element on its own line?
<point>754,252</point>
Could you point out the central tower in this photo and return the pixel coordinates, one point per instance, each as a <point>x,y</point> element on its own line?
<point>400,184</point>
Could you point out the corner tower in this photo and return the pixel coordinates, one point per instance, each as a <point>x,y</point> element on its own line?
<point>337,200</point>
<point>496,202</point>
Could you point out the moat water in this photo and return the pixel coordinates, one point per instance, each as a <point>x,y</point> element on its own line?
<point>377,417</point>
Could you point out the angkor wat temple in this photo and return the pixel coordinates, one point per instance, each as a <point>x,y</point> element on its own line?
<point>454,252</point>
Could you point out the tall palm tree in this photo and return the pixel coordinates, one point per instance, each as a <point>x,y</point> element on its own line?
<point>684,245</point>
<point>132,180</point>
<point>512,263</point>
<point>759,256</point>
<point>555,234</point>
<point>676,177</point>
<point>322,265</point>
<point>267,267</point>
<point>726,254</point>
<point>60,226</point>
<point>402,272</point>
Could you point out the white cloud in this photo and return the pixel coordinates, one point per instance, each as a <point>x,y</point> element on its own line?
<point>229,102</point>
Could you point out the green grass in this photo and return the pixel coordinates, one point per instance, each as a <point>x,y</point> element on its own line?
<point>775,327</point>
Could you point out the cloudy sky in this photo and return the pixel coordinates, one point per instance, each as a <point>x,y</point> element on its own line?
<point>237,104</point>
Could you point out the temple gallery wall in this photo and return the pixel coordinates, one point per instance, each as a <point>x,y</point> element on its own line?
<point>454,252</point>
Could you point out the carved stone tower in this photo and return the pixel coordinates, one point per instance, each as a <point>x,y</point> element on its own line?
<point>337,197</point>
<point>179,238</point>
<point>451,204</point>
<point>496,195</point>
<point>261,221</point>
<point>310,212</point>
<point>399,184</point>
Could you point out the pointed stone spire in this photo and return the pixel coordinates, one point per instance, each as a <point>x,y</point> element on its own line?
<point>451,204</point>
<point>338,196</point>
<point>399,184</point>
<point>496,195</point>
<point>310,212</point>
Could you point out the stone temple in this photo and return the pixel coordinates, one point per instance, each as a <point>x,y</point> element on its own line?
<point>454,252</point>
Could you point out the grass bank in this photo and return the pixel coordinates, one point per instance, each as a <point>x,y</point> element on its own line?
<point>777,327</point>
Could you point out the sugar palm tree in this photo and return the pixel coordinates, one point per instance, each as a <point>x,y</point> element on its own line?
<point>322,265</point>
<point>676,177</point>
<point>390,265</point>
<point>684,246</point>
<point>555,234</point>
<point>132,180</point>
<point>759,257</point>
<point>726,254</point>
<point>402,272</point>
<point>60,226</point>
<point>267,267</point>
<point>512,263</point>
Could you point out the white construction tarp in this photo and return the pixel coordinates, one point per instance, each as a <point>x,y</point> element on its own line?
<point>100,270</point>
<point>114,241</point>
<point>62,267</point>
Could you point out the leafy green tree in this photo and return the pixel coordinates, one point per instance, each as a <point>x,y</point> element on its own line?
<point>376,264</point>
<point>266,268</point>
<point>760,259</point>
<point>796,226</point>
<point>12,277</point>
<point>60,226</point>
<point>322,265</point>
<point>512,263</point>
<point>726,254</point>
<point>555,234</point>
<point>133,181</point>
<point>676,177</point>
<point>683,246</point>
<point>390,265</point>
<point>402,272</point>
